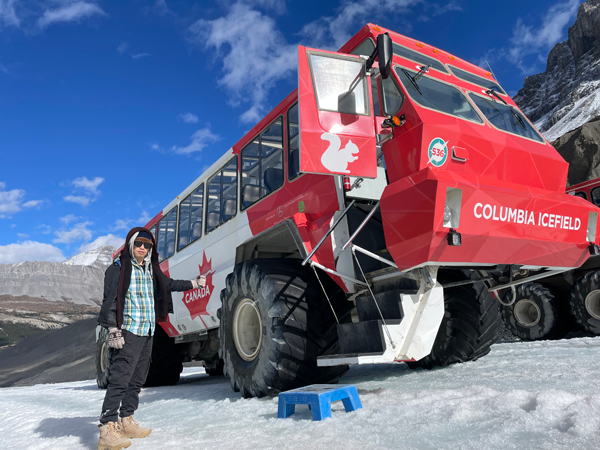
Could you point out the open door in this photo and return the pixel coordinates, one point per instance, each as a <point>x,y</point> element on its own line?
<point>337,134</point>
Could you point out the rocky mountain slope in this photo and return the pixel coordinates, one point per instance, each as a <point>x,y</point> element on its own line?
<point>581,148</point>
<point>567,94</point>
<point>37,296</point>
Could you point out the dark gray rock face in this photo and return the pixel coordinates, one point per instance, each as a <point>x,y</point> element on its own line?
<point>567,94</point>
<point>581,148</point>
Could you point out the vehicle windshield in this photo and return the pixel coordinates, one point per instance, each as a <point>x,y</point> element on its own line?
<point>476,80</point>
<point>437,95</point>
<point>503,118</point>
<point>406,53</point>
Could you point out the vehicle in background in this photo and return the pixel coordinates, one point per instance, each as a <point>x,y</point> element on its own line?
<point>367,219</point>
<point>561,303</point>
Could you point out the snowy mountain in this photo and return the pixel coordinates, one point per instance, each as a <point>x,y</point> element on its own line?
<point>99,257</point>
<point>534,395</point>
<point>567,94</point>
<point>53,281</point>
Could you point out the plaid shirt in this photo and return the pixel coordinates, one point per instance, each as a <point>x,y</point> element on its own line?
<point>138,315</point>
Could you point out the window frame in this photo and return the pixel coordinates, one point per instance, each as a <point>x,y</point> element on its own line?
<point>164,217</point>
<point>367,88</point>
<point>523,116</point>
<point>464,94</point>
<point>208,179</point>
<point>201,185</point>
<point>287,143</point>
<point>597,188</point>
<point>448,71</point>
<point>450,66</point>
<point>380,91</point>
<point>283,159</point>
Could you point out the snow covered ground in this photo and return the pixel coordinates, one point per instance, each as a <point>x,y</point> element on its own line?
<point>540,395</point>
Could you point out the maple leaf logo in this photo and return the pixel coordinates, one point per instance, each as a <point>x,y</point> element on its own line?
<point>195,300</point>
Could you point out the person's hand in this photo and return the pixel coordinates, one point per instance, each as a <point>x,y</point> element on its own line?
<point>115,338</point>
<point>199,282</point>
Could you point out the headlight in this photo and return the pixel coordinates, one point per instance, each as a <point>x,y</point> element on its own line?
<point>452,207</point>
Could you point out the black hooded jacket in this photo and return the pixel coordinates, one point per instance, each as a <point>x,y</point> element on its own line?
<point>116,285</point>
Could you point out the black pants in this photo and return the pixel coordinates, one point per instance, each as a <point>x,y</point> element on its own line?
<point>126,376</point>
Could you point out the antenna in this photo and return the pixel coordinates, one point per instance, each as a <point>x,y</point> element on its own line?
<point>491,70</point>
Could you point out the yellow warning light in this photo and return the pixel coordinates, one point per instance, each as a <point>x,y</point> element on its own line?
<point>452,58</point>
<point>419,45</point>
<point>435,51</point>
<point>488,74</point>
<point>377,28</point>
<point>396,121</point>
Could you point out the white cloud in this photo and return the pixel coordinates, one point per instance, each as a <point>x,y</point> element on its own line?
<point>200,139</point>
<point>22,235</point>
<point>80,200</point>
<point>32,203</point>
<point>30,251</point>
<point>109,239</point>
<point>126,224</point>
<point>88,185</point>
<point>68,218</point>
<point>122,48</point>
<point>140,55</point>
<point>188,118</point>
<point>254,52</point>
<point>10,201</point>
<point>70,12</point>
<point>79,232</point>
<point>8,15</point>
<point>332,32</point>
<point>47,229</point>
<point>538,40</point>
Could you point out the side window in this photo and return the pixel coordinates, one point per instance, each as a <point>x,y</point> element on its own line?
<point>293,142</point>
<point>153,231</point>
<point>392,97</point>
<point>162,234</point>
<point>365,48</point>
<point>222,196</point>
<point>262,164</point>
<point>190,218</point>
<point>171,226</point>
<point>375,93</point>
<point>595,194</point>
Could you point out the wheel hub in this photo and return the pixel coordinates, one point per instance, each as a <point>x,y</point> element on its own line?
<point>247,329</point>
<point>527,312</point>
<point>592,304</point>
<point>103,357</point>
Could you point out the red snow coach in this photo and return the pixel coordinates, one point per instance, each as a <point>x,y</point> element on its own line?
<point>371,217</point>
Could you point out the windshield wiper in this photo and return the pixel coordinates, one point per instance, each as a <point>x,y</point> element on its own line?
<point>414,79</point>
<point>516,115</point>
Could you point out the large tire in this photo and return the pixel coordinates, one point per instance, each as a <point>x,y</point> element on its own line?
<point>214,367</point>
<point>167,362</point>
<point>468,329</point>
<point>274,324</point>
<point>103,358</point>
<point>536,314</point>
<point>585,302</point>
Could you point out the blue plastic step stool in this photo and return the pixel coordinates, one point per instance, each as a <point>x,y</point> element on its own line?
<point>318,397</point>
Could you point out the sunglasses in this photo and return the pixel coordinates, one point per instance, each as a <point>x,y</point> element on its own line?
<point>147,245</point>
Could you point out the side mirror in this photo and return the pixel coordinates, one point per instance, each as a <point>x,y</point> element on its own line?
<point>384,53</point>
<point>347,102</point>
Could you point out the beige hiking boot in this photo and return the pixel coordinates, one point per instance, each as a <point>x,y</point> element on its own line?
<point>131,429</point>
<point>111,438</point>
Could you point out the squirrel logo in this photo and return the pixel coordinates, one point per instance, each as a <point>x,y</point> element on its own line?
<point>334,159</point>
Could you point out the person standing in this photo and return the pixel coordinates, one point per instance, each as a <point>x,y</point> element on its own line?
<point>137,294</point>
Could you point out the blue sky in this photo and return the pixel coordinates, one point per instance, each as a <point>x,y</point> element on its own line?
<point>109,109</point>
